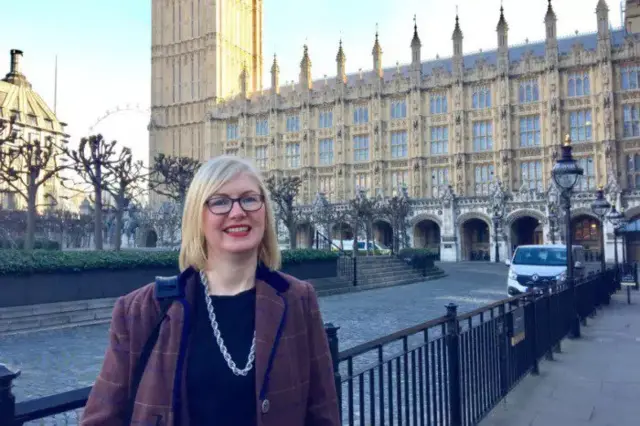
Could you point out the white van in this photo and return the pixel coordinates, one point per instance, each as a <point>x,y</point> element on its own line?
<point>541,266</point>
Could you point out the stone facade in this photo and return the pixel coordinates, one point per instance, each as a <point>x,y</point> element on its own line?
<point>466,135</point>
<point>196,62</point>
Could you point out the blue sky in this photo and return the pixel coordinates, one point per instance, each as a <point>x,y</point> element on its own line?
<point>103,46</point>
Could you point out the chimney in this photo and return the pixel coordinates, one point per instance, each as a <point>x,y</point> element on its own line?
<point>16,59</point>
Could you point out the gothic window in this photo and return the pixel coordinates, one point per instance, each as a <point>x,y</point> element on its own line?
<point>326,186</point>
<point>631,120</point>
<point>232,131</point>
<point>292,155</point>
<point>193,78</point>
<point>176,83</point>
<point>482,136</point>
<point>439,140</point>
<point>399,144</point>
<point>262,127</point>
<point>360,115</point>
<point>630,77</point>
<point>439,178</point>
<point>360,181</point>
<point>438,104</point>
<point>586,229</point>
<point>325,119</point>
<point>398,179</point>
<point>179,20</point>
<point>580,123</point>
<point>588,180</point>
<point>579,85</point>
<point>261,156</point>
<point>325,152</point>
<point>531,172</point>
<point>293,123</point>
<point>633,171</point>
<point>483,178</point>
<point>528,91</point>
<point>481,98</point>
<point>361,148</point>
<point>530,131</point>
<point>398,109</point>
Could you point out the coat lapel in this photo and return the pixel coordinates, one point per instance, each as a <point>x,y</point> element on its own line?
<point>270,314</point>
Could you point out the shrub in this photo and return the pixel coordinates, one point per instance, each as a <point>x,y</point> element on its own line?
<point>19,262</point>
<point>38,244</point>
<point>421,259</point>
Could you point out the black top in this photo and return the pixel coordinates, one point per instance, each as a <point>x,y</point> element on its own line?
<point>216,395</point>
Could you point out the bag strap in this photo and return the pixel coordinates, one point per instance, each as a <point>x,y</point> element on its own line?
<point>166,291</point>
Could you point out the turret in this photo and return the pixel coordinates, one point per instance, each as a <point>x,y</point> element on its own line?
<point>377,57</point>
<point>275,76</point>
<point>341,59</point>
<point>305,70</point>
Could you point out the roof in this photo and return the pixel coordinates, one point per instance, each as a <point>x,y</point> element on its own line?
<point>17,95</point>
<point>565,45</point>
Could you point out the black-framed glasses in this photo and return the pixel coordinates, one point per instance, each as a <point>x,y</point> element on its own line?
<point>221,204</point>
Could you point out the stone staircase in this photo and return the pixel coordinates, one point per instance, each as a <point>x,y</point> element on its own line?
<point>374,272</point>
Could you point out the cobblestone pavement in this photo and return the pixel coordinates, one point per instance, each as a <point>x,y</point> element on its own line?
<point>61,360</point>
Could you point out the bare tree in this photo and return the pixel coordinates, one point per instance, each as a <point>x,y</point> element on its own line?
<point>91,161</point>
<point>283,193</point>
<point>172,175</point>
<point>26,164</point>
<point>123,181</point>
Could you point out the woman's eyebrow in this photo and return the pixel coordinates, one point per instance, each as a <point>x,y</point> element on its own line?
<point>222,194</point>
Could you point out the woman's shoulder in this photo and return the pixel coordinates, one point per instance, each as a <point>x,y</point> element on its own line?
<point>138,298</point>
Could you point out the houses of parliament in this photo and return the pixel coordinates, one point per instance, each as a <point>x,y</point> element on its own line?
<point>461,133</point>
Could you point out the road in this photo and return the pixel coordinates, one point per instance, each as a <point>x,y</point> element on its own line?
<point>60,360</point>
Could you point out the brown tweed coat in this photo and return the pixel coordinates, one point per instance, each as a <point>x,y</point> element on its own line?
<point>301,389</point>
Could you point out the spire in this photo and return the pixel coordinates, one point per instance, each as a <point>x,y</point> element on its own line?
<point>457,32</point>
<point>275,75</point>
<point>551,15</point>
<point>377,50</point>
<point>244,80</point>
<point>341,59</point>
<point>305,69</point>
<point>502,23</point>
<point>415,41</point>
<point>602,6</point>
<point>377,55</point>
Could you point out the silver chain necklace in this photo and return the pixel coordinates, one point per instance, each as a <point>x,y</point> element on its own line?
<point>216,333</point>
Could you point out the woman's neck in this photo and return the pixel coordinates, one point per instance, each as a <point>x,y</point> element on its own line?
<point>233,275</point>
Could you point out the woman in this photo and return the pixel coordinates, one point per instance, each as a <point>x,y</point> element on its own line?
<point>240,343</point>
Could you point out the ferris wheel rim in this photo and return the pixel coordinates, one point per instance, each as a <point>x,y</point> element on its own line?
<point>133,107</point>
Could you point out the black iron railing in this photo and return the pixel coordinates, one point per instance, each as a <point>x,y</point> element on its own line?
<point>347,261</point>
<point>451,370</point>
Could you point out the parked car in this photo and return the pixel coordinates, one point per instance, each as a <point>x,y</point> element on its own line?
<point>539,266</point>
<point>347,245</point>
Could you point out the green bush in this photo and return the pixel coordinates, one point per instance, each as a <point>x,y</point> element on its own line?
<point>39,244</point>
<point>421,259</point>
<point>19,262</point>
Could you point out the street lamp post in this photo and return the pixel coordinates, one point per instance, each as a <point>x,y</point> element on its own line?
<point>566,174</point>
<point>601,207</point>
<point>498,213</point>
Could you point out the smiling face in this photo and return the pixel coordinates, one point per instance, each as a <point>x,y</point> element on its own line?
<point>227,227</point>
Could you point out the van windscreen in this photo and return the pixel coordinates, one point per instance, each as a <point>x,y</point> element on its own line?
<point>540,256</point>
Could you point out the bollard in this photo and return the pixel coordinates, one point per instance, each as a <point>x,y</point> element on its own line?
<point>7,399</point>
<point>453,364</point>
<point>332,337</point>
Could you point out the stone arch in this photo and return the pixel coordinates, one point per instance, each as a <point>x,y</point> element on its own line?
<point>382,231</point>
<point>305,234</point>
<point>425,216</point>
<point>474,232</point>
<point>520,213</point>
<point>460,220</point>
<point>583,211</point>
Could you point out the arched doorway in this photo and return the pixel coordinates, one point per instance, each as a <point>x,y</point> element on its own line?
<point>305,235</point>
<point>475,240</point>
<point>585,231</point>
<point>382,233</point>
<point>426,234</point>
<point>151,239</point>
<point>632,237</point>
<point>525,230</point>
<point>342,232</point>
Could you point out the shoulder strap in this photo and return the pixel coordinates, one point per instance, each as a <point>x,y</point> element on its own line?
<point>166,290</point>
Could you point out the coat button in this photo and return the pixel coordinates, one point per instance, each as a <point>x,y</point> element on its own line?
<point>265,406</point>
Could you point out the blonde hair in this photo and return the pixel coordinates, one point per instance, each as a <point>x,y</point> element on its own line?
<point>209,178</point>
